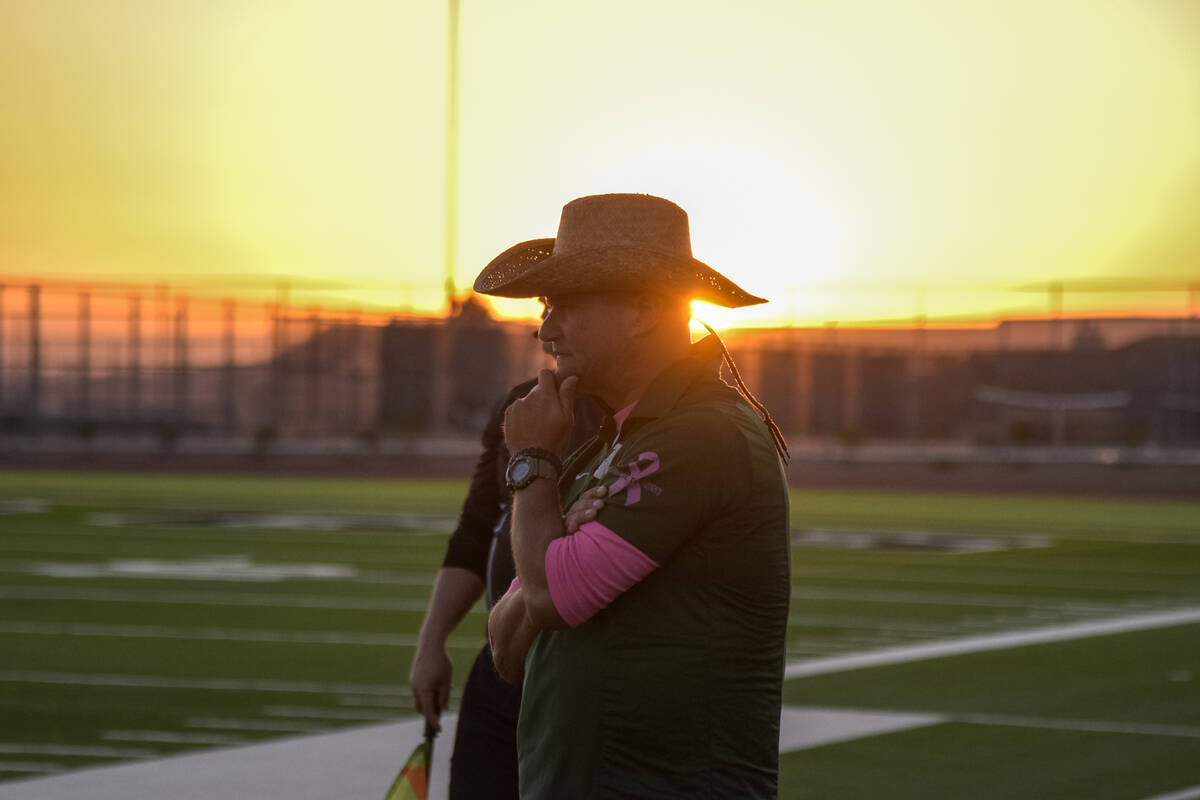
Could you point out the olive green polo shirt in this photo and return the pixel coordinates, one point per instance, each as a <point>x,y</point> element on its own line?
<point>673,689</point>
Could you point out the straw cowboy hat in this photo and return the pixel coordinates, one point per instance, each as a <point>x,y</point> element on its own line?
<point>612,242</point>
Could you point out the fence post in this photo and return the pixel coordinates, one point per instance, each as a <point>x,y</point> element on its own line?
<point>84,365</point>
<point>1,349</point>
<point>279,358</point>
<point>353,387</point>
<point>135,359</point>
<point>35,356</point>
<point>313,368</point>
<point>179,383</point>
<point>915,370</point>
<point>162,348</point>
<point>1057,326</point>
<point>229,372</point>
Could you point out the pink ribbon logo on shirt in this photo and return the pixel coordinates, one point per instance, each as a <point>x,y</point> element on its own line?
<point>646,464</point>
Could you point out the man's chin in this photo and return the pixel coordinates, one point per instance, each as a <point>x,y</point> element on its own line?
<point>564,368</point>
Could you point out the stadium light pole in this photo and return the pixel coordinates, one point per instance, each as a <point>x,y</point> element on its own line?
<point>451,152</point>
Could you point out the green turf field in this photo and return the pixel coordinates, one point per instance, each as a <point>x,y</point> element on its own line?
<point>145,615</point>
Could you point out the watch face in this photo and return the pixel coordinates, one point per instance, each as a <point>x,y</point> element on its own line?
<point>521,470</point>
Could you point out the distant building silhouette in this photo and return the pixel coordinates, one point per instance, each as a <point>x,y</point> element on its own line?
<point>181,367</point>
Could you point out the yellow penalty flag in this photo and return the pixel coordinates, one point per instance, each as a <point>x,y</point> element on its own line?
<point>413,781</point>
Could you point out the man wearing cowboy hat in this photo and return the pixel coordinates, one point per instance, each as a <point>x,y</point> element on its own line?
<point>651,640</point>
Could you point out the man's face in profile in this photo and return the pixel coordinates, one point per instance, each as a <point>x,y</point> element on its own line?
<point>587,335</point>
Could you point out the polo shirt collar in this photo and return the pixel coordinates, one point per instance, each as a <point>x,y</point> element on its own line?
<point>702,361</point>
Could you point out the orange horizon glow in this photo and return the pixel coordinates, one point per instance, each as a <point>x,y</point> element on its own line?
<point>110,305</point>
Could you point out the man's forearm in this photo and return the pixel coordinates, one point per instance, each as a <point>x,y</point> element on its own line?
<point>455,591</point>
<point>511,633</point>
<point>537,522</point>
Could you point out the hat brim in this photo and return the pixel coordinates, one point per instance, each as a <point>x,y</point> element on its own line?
<point>530,269</point>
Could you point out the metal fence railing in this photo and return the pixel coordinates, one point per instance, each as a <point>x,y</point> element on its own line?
<point>103,361</point>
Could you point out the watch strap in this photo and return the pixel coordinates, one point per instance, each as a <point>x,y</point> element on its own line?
<point>542,464</point>
<point>538,452</point>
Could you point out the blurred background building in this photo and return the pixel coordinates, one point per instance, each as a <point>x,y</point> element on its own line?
<point>102,366</point>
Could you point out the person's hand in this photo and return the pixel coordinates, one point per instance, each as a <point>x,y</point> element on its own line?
<point>543,417</point>
<point>429,680</point>
<point>585,508</point>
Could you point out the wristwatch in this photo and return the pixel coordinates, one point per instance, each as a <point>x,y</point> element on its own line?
<point>528,465</point>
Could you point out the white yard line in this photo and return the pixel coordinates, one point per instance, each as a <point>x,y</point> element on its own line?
<point>961,575</point>
<point>801,728</point>
<point>40,767</point>
<point>883,625</point>
<point>333,602</point>
<point>808,591</point>
<point>225,634</point>
<point>172,737</point>
<point>375,702</point>
<point>1191,793</point>
<point>232,724</point>
<point>1087,725</point>
<point>211,569</point>
<point>32,749</point>
<point>992,641</point>
<point>263,600</point>
<point>216,684</point>
<point>324,712</point>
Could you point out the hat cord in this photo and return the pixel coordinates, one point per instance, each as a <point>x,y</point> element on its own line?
<point>780,443</point>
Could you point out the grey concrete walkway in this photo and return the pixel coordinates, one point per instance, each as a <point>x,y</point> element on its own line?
<point>359,764</point>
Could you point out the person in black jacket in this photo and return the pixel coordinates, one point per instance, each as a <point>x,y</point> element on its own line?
<point>478,560</point>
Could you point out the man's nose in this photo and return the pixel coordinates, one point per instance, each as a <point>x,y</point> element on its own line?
<point>549,330</point>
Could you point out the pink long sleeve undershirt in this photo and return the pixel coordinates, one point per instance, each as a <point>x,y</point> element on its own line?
<point>589,569</point>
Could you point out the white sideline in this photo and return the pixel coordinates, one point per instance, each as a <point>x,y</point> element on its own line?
<point>1191,793</point>
<point>991,641</point>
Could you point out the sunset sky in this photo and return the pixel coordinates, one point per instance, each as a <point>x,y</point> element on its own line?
<point>852,159</point>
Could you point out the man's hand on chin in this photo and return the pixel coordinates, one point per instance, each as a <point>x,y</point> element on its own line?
<point>542,418</point>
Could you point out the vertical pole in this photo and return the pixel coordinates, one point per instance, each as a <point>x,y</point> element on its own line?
<point>852,416</point>
<point>349,365</point>
<point>160,377</point>
<point>313,368</point>
<point>806,388</point>
<point>35,356</point>
<point>1,350</point>
<point>84,366</point>
<point>337,411</point>
<point>229,372</point>
<point>179,383</point>
<point>1191,366</point>
<point>916,366</point>
<point>135,359</point>
<point>451,150</point>
<point>279,357</point>
<point>1056,320</point>
<point>1169,412</point>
